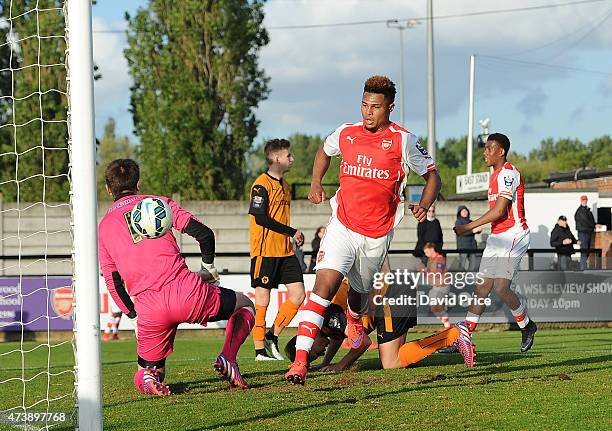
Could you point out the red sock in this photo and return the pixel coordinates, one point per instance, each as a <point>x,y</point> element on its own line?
<point>313,313</point>
<point>238,329</point>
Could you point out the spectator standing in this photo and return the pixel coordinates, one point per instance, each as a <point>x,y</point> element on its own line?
<point>429,230</point>
<point>585,225</point>
<point>467,261</point>
<point>563,240</point>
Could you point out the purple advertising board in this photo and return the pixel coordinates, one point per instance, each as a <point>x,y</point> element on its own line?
<point>35,303</point>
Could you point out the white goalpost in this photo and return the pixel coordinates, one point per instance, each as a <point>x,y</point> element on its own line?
<point>49,271</point>
<point>84,209</point>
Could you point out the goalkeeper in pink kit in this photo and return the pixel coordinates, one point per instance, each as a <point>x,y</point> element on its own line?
<point>149,279</point>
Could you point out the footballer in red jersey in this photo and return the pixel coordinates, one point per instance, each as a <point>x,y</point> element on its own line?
<point>377,156</point>
<point>507,244</point>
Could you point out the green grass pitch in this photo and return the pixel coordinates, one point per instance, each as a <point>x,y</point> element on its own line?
<point>565,382</point>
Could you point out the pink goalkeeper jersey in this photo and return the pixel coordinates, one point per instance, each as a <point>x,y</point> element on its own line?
<point>143,264</point>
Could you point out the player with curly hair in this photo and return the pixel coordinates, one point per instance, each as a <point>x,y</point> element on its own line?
<point>377,156</point>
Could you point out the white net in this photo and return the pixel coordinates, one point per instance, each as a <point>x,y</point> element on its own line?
<point>37,360</point>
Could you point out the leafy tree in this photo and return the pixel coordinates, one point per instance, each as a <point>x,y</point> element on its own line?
<point>33,141</point>
<point>197,82</point>
<point>111,147</point>
<point>303,147</point>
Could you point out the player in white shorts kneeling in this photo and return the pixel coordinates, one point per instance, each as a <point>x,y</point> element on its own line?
<point>506,246</point>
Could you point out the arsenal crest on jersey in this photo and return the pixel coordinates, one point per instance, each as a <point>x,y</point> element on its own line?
<point>61,301</point>
<point>320,256</point>
<point>386,144</point>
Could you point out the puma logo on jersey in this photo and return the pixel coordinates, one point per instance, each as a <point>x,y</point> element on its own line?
<point>351,138</point>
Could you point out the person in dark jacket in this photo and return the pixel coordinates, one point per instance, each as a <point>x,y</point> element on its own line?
<point>428,231</point>
<point>585,225</point>
<point>563,240</point>
<point>467,261</point>
<point>316,243</point>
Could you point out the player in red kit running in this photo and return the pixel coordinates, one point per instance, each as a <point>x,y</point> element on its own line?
<point>149,279</point>
<point>377,156</point>
<point>507,244</point>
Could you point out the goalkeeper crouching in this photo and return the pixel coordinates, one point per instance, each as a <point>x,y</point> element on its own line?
<point>149,280</point>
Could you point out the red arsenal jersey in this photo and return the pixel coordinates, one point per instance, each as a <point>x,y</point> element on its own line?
<point>507,182</point>
<point>373,174</point>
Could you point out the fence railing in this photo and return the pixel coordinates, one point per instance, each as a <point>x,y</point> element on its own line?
<point>531,255</point>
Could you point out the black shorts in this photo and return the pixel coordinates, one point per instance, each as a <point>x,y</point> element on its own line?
<point>393,321</point>
<point>269,272</point>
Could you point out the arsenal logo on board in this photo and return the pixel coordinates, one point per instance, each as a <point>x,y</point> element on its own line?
<point>61,301</point>
<point>386,144</point>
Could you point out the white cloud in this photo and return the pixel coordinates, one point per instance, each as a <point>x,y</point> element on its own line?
<point>113,90</point>
<point>317,74</point>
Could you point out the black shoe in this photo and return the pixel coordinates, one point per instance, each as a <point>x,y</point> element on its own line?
<point>528,335</point>
<point>449,349</point>
<point>271,343</point>
<point>262,355</point>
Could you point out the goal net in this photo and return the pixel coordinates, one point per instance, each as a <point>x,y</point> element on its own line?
<point>41,357</point>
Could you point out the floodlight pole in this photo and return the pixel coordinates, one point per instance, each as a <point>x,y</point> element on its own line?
<point>431,97</point>
<point>470,134</point>
<point>394,23</point>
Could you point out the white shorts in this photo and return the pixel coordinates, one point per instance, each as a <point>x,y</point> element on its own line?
<point>356,256</point>
<point>502,255</point>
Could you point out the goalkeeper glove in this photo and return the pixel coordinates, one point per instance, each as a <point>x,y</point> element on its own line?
<point>209,273</point>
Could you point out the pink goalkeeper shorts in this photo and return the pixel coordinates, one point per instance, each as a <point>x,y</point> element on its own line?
<point>187,299</point>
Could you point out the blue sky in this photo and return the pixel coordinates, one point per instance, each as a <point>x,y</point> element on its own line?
<point>317,74</point>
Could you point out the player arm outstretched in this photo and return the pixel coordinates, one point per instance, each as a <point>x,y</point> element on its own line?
<point>206,239</point>
<point>418,160</point>
<point>330,352</point>
<point>350,358</point>
<point>433,184</point>
<point>498,211</point>
<point>319,169</point>
<point>259,209</point>
<point>187,223</point>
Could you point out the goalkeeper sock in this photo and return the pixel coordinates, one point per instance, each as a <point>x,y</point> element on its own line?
<point>415,351</point>
<point>313,313</point>
<point>521,316</point>
<point>238,329</point>
<point>286,313</point>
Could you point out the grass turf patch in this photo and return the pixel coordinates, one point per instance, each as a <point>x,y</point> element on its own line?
<point>564,382</point>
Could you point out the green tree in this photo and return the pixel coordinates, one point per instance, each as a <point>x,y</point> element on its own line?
<point>33,142</point>
<point>111,147</point>
<point>197,82</point>
<point>304,148</point>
